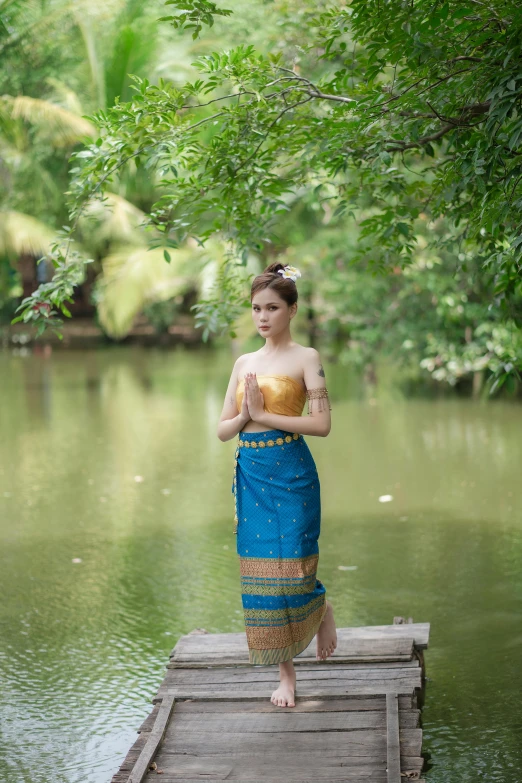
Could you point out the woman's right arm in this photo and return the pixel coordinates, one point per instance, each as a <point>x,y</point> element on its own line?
<point>231,422</point>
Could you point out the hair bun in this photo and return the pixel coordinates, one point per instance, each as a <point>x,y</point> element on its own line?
<point>274,268</point>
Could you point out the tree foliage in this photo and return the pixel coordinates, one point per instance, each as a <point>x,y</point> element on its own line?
<point>387,112</point>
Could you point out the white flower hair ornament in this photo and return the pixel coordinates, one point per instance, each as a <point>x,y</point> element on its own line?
<point>290,271</point>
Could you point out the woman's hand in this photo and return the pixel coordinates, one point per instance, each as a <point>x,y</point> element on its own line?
<point>254,397</point>
<point>244,413</point>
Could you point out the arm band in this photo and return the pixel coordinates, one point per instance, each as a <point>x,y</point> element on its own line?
<point>321,395</point>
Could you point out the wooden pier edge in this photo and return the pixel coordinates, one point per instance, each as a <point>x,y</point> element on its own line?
<point>146,756</point>
<point>185,684</point>
<point>393,756</point>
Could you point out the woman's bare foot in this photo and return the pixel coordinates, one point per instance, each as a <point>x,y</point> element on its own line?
<point>284,695</point>
<point>326,635</point>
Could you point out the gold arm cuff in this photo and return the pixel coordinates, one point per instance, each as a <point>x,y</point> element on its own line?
<point>321,395</point>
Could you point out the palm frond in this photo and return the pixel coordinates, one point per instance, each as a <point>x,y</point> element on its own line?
<point>20,233</point>
<point>117,220</point>
<point>67,97</point>
<point>133,277</point>
<point>64,126</point>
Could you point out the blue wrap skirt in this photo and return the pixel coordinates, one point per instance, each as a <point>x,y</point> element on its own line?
<point>278,518</point>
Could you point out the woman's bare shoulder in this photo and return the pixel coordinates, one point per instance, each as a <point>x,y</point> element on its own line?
<point>306,354</point>
<point>242,360</point>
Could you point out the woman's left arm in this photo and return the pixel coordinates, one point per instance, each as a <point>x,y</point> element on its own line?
<point>318,421</point>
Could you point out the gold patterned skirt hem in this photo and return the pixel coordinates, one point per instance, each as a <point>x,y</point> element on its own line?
<point>281,654</point>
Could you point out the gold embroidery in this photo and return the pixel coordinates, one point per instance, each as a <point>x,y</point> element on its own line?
<point>278,654</point>
<point>278,586</point>
<point>321,395</point>
<point>254,444</point>
<point>263,637</point>
<point>292,614</point>
<point>296,567</point>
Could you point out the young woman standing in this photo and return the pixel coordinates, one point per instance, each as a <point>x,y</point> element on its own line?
<point>276,486</point>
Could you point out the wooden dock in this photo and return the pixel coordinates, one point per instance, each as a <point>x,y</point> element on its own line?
<point>356,719</point>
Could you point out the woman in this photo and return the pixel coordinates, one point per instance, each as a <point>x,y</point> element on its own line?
<point>276,487</point>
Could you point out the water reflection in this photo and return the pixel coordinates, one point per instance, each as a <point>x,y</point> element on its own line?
<point>84,644</point>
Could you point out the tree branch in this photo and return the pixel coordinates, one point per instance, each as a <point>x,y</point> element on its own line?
<point>281,113</point>
<point>400,145</point>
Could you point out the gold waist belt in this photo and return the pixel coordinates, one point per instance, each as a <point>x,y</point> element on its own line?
<point>254,444</point>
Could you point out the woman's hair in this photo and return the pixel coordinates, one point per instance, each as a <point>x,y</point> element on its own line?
<point>285,287</point>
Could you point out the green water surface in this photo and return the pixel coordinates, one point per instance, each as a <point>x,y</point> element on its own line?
<point>111,457</point>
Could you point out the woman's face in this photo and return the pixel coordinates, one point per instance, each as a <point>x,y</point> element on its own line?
<point>270,313</point>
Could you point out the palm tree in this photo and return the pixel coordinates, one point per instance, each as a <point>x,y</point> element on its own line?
<point>39,131</point>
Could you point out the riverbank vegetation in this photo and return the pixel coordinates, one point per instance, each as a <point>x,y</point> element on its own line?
<point>376,147</point>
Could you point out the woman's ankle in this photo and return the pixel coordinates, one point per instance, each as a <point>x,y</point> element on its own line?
<point>286,669</point>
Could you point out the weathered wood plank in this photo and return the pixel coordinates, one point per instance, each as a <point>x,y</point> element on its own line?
<point>192,649</point>
<point>206,660</point>
<point>236,642</point>
<point>220,682</point>
<point>151,746</point>
<point>190,677</point>
<point>338,744</point>
<point>342,776</point>
<point>308,692</point>
<point>348,663</point>
<point>264,773</point>
<point>312,689</point>
<point>305,767</point>
<point>393,738</point>
<point>289,720</point>
<point>347,777</point>
<point>316,769</point>
<point>373,703</point>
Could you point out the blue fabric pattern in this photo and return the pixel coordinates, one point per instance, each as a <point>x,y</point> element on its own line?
<point>278,512</point>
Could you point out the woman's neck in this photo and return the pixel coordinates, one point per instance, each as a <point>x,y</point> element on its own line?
<point>278,344</point>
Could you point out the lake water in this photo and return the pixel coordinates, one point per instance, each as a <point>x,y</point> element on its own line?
<point>111,457</point>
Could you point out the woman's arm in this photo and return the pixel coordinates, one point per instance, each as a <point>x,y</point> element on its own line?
<point>231,422</point>
<point>318,422</point>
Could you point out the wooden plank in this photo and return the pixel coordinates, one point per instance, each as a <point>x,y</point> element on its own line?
<point>204,661</point>
<point>298,776</point>
<point>289,720</point>
<point>347,663</point>
<point>240,676</point>
<point>337,744</point>
<point>192,769</point>
<point>237,682</point>
<point>304,692</point>
<point>236,642</point>
<point>156,735</point>
<point>188,764</point>
<point>305,767</point>
<point>393,738</point>
<point>307,689</point>
<point>357,776</point>
<point>192,649</point>
<point>372,703</point>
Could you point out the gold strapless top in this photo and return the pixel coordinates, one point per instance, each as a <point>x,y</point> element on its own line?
<point>281,393</point>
